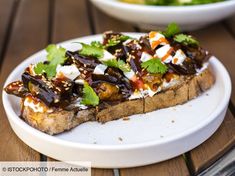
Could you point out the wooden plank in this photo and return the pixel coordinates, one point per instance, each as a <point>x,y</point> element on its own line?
<point>6,7</point>
<point>230,22</point>
<point>70,20</point>
<point>103,22</point>
<point>221,44</point>
<point>224,139</point>
<point>173,167</point>
<point>29,34</point>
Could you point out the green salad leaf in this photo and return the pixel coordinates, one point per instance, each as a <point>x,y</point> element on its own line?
<point>89,96</point>
<point>92,50</point>
<point>154,66</point>
<point>118,64</point>
<point>186,40</point>
<point>55,56</point>
<point>171,30</point>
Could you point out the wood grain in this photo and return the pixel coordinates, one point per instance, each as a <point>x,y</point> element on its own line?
<point>103,22</point>
<point>29,34</point>
<point>173,167</point>
<point>224,139</point>
<point>6,7</point>
<point>70,20</point>
<point>221,44</point>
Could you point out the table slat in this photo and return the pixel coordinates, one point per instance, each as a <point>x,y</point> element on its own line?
<point>29,34</point>
<point>70,20</point>
<point>6,7</point>
<point>221,44</point>
<point>208,152</point>
<point>231,24</point>
<point>103,22</point>
<point>173,167</point>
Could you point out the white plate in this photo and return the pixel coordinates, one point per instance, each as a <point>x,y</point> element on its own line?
<point>144,139</point>
<point>155,17</point>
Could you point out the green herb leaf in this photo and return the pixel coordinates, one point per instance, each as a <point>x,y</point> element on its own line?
<point>91,50</point>
<point>55,56</point>
<point>154,66</point>
<point>186,40</point>
<point>89,96</point>
<point>118,64</point>
<point>171,30</point>
<point>97,44</point>
<point>117,40</point>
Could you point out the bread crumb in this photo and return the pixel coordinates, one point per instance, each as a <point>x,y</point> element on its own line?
<point>120,139</point>
<point>125,118</point>
<point>190,105</point>
<point>174,109</point>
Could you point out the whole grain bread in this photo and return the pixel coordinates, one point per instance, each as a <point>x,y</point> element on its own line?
<point>61,120</point>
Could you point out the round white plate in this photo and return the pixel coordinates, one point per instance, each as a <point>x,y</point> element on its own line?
<point>142,140</point>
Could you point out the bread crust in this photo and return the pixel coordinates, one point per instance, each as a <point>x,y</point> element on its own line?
<point>61,120</point>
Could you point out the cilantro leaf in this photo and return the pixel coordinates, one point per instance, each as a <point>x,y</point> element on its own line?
<point>89,96</point>
<point>171,30</point>
<point>186,40</point>
<point>117,40</point>
<point>55,56</point>
<point>91,50</point>
<point>154,66</point>
<point>97,44</point>
<point>50,70</point>
<point>118,64</point>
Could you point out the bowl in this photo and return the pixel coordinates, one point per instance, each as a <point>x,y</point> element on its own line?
<point>157,17</point>
<point>164,133</point>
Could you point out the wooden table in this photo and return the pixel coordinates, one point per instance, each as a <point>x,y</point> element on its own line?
<point>27,26</point>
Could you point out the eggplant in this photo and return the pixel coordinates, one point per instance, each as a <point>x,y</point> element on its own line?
<point>57,92</point>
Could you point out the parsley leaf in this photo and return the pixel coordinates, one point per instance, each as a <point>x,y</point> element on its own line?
<point>55,56</point>
<point>118,64</point>
<point>89,96</point>
<point>186,40</point>
<point>154,66</point>
<point>117,40</point>
<point>171,30</point>
<point>91,50</point>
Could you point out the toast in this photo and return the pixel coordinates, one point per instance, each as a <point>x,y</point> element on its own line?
<point>107,81</point>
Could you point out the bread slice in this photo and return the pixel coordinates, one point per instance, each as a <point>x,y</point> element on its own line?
<point>61,120</point>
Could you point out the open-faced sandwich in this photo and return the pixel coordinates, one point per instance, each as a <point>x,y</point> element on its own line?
<point>115,78</point>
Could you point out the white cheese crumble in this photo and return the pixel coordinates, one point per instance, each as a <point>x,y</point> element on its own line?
<point>130,75</point>
<point>69,71</point>
<point>156,38</point>
<point>179,57</point>
<point>78,104</point>
<point>79,81</point>
<point>100,69</point>
<point>161,52</point>
<point>35,107</point>
<point>107,56</point>
<point>145,57</point>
